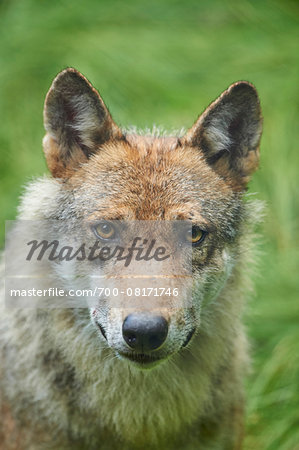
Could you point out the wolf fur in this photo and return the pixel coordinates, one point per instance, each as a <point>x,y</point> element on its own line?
<point>63,384</point>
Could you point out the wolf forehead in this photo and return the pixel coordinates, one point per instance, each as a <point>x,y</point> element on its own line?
<point>146,178</point>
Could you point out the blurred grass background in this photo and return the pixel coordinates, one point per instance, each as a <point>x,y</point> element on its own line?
<point>163,62</point>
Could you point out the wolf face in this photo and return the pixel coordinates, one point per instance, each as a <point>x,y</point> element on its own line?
<point>106,175</point>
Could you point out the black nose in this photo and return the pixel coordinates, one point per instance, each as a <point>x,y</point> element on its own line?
<point>144,332</point>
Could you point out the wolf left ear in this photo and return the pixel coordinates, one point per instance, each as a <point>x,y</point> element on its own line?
<point>228,133</point>
<point>77,123</point>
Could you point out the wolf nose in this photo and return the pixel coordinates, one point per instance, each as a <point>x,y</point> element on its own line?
<point>144,332</point>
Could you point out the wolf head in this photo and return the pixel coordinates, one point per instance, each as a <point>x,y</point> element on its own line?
<point>106,176</point>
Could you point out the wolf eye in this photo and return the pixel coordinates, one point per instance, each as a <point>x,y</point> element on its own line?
<point>104,230</point>
<point>195,235</point>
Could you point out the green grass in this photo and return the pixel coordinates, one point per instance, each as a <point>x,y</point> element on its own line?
<point>163,62</point>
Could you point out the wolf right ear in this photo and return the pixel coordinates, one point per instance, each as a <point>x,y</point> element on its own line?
<point>228,134</point>
<point>77,123</point>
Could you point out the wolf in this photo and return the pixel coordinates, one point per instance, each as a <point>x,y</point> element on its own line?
<point>107,377</point>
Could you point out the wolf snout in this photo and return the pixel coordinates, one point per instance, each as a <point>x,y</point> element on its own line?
<point>144,332</point>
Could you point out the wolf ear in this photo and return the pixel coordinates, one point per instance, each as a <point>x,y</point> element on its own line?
<point>77,123</point>
<point>228,133</point>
